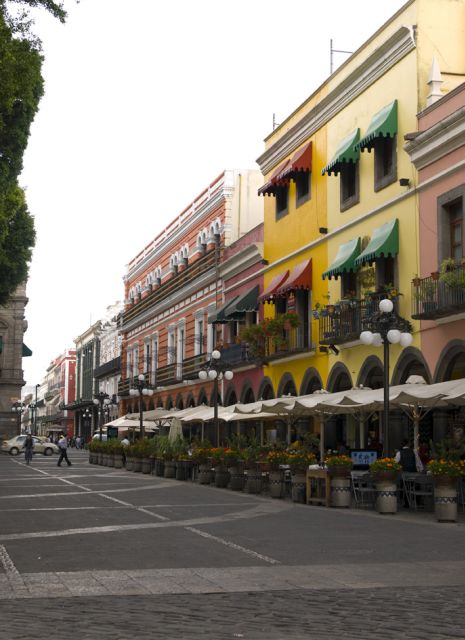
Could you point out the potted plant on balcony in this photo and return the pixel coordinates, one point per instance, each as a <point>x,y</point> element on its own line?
<point>269,329</point>
<point>426,295</point>
<point>452,274</point>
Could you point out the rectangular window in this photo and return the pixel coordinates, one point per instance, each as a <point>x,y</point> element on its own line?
<point>135,361</point>
<point>349,185</point>
<point>302,187</point>
<point>385,161</point>
<point>147,358</point>
<point>282,196</point>
<point>199,337</point>
<point>171,348</point>
<point>180,353</point>
<point>451,225</point>
<point>129,364</point>
<point>154,358</point>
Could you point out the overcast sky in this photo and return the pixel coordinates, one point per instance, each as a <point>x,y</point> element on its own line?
<point>146,102</point>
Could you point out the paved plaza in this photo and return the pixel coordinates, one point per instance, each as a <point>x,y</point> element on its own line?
<point>92,552</point>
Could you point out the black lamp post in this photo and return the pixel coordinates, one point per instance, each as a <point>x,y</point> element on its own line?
<point>141,388</point>
<point>216,369</point>
<point>86,417</point>
<point>386,327</point>
<point>19,408</point>
<point>101,399</point>
<point>33,407</point>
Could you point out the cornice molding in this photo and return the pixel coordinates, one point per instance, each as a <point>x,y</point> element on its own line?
<point>154,256</point>
<point>437,141</point>
<point>247,257</point>
<point>386,56</point>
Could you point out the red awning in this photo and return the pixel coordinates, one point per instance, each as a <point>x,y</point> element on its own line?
<point>300,278</point>
<point>274,285</point>
<point>300,161</point>
<point>278,177</point>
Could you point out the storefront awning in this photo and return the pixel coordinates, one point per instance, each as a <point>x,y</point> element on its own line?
<point>218,316</point>
<point>301,161</point>
<point>277,179</point>
<point>382,125</point>
<point>248,301</point>
<point>274,285</point>
<point>345,259</point>
<point>300,278</point>
<point>384,242</point>
<point>346,152</point>
<point>26,351</point>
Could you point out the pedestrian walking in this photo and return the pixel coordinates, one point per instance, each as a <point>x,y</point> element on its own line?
<point>63,446</point>
<point>28,447</point>
<point>78,442</point>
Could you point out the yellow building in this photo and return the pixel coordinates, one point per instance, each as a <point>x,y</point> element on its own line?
<point>341,215</point>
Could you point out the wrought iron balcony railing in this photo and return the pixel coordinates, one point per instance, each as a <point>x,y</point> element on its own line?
<point>294,340</point>
<point>341,323</point>
<point>439,295</point>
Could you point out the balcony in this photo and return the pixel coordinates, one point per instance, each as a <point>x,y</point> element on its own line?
<point>170,374</point>
<point>113,366</point>
<point>294,340</point>
<point>439,295</point>
<point>342,323</point>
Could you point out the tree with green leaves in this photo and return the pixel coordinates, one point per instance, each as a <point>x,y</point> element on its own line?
<point>21,88</point>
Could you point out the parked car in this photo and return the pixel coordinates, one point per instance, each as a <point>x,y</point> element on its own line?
<point>14,446</point>
<point>96,436</point>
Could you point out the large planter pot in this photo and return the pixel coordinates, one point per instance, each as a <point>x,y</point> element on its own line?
<point>181,470</point>
<point>111,460</point>
<point>445,498</point>
<point>137,465</point>
<point>276,483</point>
<point>159,468</point>
<point>118,461</point>
<point>169,469</point>
<point>221,476</point>
<point>146,465</point>
<point>129,464</point>
<point>92,457</point>
<point>253,481</point>
<point>340,491</point>
<point>298,486</point>
<point>205,475</point>
<point>100,458</point>
<point>386,492</point>
<point>236,478</point>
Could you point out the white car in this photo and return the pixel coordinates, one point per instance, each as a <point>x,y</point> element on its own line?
<point>14,446</point>
<point>96,436</point>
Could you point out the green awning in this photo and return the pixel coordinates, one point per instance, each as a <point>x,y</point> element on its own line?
<point>346,152</point>
<point>26,351</point>
<point>248,301</point>
<point>218,316</point>
<point>384,242</point>
<point>345,259</point>
<point>382,125</point>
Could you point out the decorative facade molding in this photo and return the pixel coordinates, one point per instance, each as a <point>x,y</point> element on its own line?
<point>384,58</point>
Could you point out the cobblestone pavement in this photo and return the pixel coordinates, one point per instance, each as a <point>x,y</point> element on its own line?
<point>93,553</point>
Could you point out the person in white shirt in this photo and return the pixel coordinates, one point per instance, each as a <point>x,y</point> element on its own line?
<point>63,446</point>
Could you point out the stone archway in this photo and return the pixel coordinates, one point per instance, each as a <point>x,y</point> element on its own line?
<point>179,402</point>
<point>202,398</point>
<point>190,402</point>
<point>371,373</point>
<point>169,403</point>
<point>247,395</point>
<point>159,403</point>
<point>230,397</point>
<point>311,382</point>
<point>410,363</point>
<point>339,378</point>
<point>265,390</point>
<point>287,386</point>
<point>451,362</point>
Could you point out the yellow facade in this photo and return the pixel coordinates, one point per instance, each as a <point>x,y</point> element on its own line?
<point>394,64</point>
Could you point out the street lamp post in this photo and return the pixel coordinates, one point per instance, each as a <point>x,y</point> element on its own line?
<point>33,406</point>
<point>86,417</point>
<point>19,408</point>
<point>141,388</point>
<point>101,399</point>
<point>216,369</point>
<point>386,327</point>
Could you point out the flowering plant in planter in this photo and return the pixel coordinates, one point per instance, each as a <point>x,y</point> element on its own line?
<point>200,454</point>
<point>277,457</point>
<point>299,460</point>
<point>339,461</point>
<point>383,465</point>
<point>443,467</point>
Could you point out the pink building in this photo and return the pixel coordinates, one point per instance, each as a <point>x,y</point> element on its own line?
<point>438,294</point>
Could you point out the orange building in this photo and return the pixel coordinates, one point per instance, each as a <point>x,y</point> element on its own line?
<point>174,285</point>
